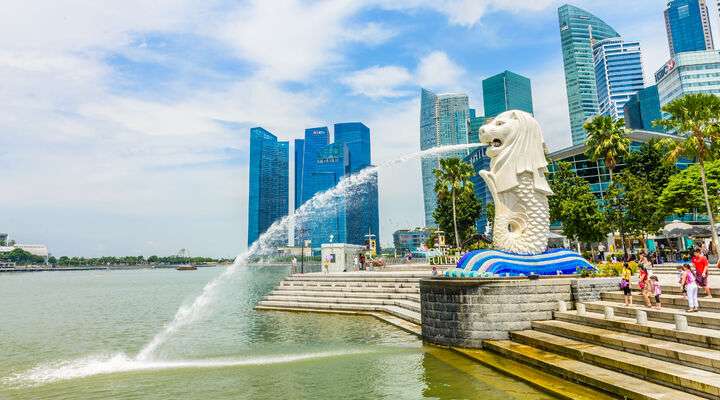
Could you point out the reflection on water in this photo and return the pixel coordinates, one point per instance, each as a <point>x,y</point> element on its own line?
<point>72,335</point>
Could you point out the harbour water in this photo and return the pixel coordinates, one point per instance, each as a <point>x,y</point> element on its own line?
<point>76,335</point>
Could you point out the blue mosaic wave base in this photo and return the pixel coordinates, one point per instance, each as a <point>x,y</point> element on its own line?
<point>491,263</point>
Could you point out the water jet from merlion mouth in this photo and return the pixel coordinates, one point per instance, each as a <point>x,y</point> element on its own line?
<point>276,235</point>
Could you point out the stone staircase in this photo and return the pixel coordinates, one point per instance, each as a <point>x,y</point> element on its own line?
<point>632,352</point>
<point>393,297</point>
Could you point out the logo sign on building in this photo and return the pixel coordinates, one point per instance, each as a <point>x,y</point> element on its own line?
<point>666,69</point>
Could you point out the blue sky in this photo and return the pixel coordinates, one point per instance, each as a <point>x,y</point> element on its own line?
<point>124,126</point>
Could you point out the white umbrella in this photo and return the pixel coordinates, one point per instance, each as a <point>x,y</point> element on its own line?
<point>677,228</point>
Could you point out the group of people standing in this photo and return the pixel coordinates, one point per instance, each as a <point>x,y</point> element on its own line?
<point>692,278</point>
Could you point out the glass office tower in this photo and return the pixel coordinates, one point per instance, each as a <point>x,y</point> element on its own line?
<point>506,91</point>
<point>687,23</point>
<point>691,72</point>
<point>320,165</point>
<point>642,109</point>
<point>443,121</point>
<point>577,27</point>
<point>268,177</point>
<point>618,74</point>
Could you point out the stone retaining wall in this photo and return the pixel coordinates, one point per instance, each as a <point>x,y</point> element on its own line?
<point>589,289</point>
<point>463,312</point>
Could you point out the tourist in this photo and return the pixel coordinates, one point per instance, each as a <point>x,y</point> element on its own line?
<point>434,271</point>
<point>362,261</point>
<point>688,281</point>
<point>356,263</point>
<point>326,265</point>
<point>294,265</point>
<point>626,274</point>
<point>644,261</point>
<point>645,286</point>
<point>700,262</point>
<point>657,290</point>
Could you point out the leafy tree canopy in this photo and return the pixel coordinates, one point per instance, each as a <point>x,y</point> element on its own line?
<point>684,192</point>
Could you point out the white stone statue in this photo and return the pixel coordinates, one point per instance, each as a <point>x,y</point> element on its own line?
<point>517,182</point>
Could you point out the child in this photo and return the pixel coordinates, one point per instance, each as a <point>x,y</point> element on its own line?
<point>657,290</point>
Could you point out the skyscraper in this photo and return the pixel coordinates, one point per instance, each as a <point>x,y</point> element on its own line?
<point>689,72</point>
<point>506,91</point>
<point>642,109</point>
<point>320,165</point>
<point>618,74</point>
<point>577,28</point>
<point>443,121</point>
<point>688,26</point>
<point>268,178</point>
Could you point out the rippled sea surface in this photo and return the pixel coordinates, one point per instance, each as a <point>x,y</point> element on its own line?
<point>75,335</point>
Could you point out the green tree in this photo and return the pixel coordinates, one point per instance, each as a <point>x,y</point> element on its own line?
<point>649,163</point>
<point>683,195</point>
<point>607,140</point>
<point>453,187</point>
<point>575,206</point>
<point>696,119</point>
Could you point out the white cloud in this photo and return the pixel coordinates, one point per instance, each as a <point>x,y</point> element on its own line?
<point>436,70</point>
<point>376,82</point>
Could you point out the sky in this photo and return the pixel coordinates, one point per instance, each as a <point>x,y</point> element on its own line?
<point>125,124</point>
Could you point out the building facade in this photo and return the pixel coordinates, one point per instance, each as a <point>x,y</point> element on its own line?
<point>480,161</point>
<point>320,165</point>
<point>686,73</point>
<point>618,74</point>
<point>443,121</point>
<point>577,28</point>
<point>506,91</point>
<point>687,23</point>
<point>410,240</point>
<point>268,197</point>
<point>642,109</point>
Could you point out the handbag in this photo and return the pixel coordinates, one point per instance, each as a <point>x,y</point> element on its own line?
<point>624,284</point>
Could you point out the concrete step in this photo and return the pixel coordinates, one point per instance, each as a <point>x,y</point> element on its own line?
<point>350,284</point>
<point>693,336</point>
<point>700,319</point>
<point>399,312</point>
<point>356,278</point>
<point>677,290</point>
<point>370,295</point>
<point>692,356</point>
<point>367,289</point>
<point>666,300</point>
<point>407,304</point>
<point>604,379</point>
<point>693,380</point>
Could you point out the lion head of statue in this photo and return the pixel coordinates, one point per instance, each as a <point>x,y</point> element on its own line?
<point>515,146</point>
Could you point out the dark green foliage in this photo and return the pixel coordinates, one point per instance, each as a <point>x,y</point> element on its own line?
<point>454,187</point>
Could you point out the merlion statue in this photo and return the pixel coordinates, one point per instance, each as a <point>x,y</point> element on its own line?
<point>517,182</point>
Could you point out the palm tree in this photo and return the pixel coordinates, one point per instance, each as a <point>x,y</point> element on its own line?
<point>607,140</point>
<point>454,176</point>
<point>695,118</point>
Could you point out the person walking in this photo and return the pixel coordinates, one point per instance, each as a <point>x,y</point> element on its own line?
<point>356,263</point>
<point>294,265</point>
<point>326,265</point>
<point>625,275</point>
<point>657,290</point>
<point>688,281</point>
<point>645,285</point>
<point>362,261</point>
<point>700,262</point>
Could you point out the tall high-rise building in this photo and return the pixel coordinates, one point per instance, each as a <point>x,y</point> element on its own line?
<point>578,28</point>
<point>319,166</point>
<point>618,74</point>
<point>474,123</point>
<point>690,72</point>
<point>506,91</point>
<point>688,26</point>
<point>642,109</point>
<point>443,121</point>
<point>268,177</point>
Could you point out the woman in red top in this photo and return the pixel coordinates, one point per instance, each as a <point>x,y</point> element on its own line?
<point>700,262</point>
<point>645,286</point>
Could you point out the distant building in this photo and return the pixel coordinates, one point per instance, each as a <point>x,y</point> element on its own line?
<point>480,161</point>
<point>474,123</point>
<point>642,109</point>
<point>506,91</point>
<point>406,240</point>
<point>268,182</point>
<point>3,239</point>
<point>319,166</point>
<point>40,250</point>
<point>690,72</point>
<point>443,121</point>
<point>578,28</point>
<point>618,74</point>
<point>687,23</point>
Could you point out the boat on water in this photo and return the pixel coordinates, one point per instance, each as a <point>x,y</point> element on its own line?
<point>188,267</point>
